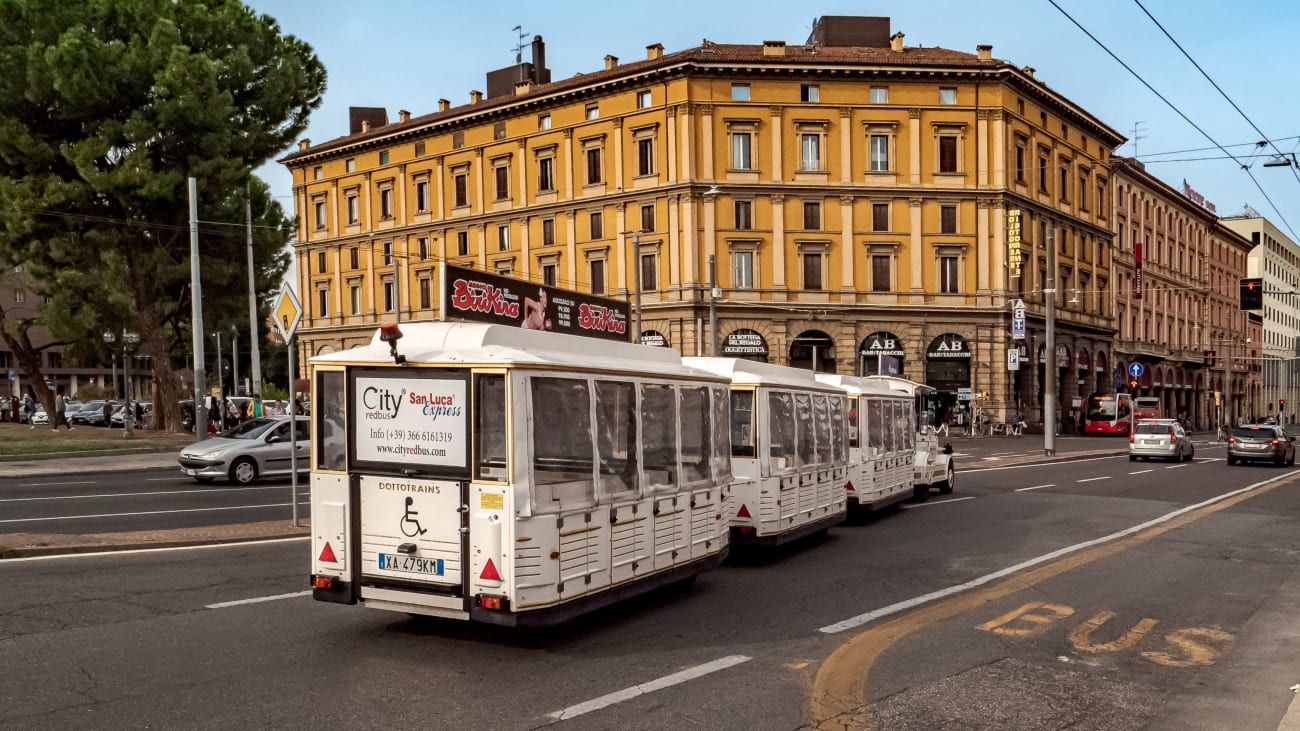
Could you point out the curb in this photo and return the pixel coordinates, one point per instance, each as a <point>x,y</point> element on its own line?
<point>30,551</point>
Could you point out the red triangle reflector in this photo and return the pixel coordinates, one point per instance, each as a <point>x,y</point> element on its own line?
<point>743,512</point>
<point>849,486</point>
<point>327,554</point>
<point>490,572</point>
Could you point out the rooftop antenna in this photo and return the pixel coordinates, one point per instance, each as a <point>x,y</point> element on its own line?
<point>519,43</point>
<point>1137,136</point>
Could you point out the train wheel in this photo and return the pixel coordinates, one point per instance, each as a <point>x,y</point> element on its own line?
<point>946,487</point>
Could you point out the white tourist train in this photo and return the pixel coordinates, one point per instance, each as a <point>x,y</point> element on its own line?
<point>882,442</point>
<point>511,476</point>
<point>789,447</point>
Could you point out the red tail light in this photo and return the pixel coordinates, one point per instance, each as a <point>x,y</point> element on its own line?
<point>323,582</point>
<point>1272,441</point>
<point>1130,437</point>
<point>1231,440</point>
<point>1173,436</point>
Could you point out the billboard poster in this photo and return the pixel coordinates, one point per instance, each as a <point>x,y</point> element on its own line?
<point>1137,270</point>
<point>469,294</point>
<point>405,420</point>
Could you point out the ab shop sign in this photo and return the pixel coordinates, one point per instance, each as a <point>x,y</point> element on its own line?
<point>411,421</point>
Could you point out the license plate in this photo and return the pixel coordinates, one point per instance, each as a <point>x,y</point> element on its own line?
<point>410,564</point>
<point>189,471</point>
<point>1150,442</point>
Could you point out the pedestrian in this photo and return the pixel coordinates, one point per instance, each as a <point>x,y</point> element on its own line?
<point>60,412</point>
<point>255,409</point>
<point>29,409</point>
<point>108,413</point>
<point>14,405</point>
<point>277,408</point>
<point>297,406</point>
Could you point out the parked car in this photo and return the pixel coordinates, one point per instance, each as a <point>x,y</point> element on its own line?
<point>141,414</point>
<point>92,413</point>
<point>1261,442</point>
<point>40,417</point>
<point>1164,438</point>
<point>256,448</point>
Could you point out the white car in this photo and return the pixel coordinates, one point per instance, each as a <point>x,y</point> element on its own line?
<point>256,448</point>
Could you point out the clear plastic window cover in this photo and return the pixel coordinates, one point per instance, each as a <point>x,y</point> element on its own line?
<point>490,425</point>
<point>824,449</point>
<point>721,435</point>
<point>781,430</point>
<point>562,444</point>
<point>659,444</point>
<point>804,427</point>
<point>875,424</point>
<point>839,431</point>
<point>697,453</point>
<point>331,421</point>
<point>743,434</point>
<point>616,438</point>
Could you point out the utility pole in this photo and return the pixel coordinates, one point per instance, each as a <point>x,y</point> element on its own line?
<point>196,313</point>
<point>256,364</point>
<point>713,305</point>
<point>221,383</point>
<point>1049,383</point>
<point>234,358</point>
<point>636,274</point>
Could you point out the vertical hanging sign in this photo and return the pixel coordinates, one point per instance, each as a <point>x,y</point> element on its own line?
<point>1137,270</point>
<point>1013,242</point>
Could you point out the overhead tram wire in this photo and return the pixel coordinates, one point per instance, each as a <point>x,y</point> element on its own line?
<point>1238,144</point>
<point>1216,86</point>
<point>1179,112</point>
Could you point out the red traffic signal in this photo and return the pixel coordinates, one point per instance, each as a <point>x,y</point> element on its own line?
<point>1252,293</point>
<point>1133,384</point>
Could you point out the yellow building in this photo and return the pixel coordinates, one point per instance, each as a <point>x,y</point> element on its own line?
<point>855,195</point>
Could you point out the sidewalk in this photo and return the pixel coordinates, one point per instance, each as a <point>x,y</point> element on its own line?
<point>88,465</point>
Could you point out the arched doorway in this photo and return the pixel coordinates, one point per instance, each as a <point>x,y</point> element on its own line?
<point>746,344</point>
<point>813,350</point>
<point>881,353</point>
<point>947,368</point>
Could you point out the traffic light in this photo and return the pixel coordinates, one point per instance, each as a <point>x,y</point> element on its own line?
<point>1252,293</point>
<point>1209,358</point>
<point>1281,405</point>
<point>1133,385</point>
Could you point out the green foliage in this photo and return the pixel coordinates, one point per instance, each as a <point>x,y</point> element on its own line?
<point>106,108</point>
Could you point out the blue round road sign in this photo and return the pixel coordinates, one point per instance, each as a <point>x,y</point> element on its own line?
<point>1135,369</point>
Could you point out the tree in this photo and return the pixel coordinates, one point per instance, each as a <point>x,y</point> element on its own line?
<point>106,108</point>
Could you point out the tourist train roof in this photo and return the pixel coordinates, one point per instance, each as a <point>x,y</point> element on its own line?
<point>857,385</point>
<point>742,371</point>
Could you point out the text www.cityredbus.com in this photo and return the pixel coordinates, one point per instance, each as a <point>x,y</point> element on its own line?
<point>415,450</point>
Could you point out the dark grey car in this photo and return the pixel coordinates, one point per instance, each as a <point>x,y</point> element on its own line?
<point>1261,442</point>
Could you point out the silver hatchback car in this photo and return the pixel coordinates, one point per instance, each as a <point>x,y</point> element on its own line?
<point>1162,438</point>
<point>258,447</point>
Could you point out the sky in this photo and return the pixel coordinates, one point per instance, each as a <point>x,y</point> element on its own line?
<point>406,54</point>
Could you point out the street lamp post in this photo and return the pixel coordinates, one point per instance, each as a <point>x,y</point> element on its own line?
<point>1049,384</point>
<point>636,277</point>
<point>221,385</point>
<point>128,342</point>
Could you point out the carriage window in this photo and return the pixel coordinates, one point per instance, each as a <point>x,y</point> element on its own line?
<point>721,438</point>
<point>563,477</point>
<point>490,426</point>
<point>876,425</point>
<point>616,439</point>
<point>901,426</point>
<point>807,442</point>
<point>840,429</point>
<point>825,450</point>
<point>742,423</point>
<point>889,413</point>
<point>780,429</point>
<point>853,422</point>
<point>695,433</point>
<point>909,434</point>
<point>659,444</point>
<point>331,424</point>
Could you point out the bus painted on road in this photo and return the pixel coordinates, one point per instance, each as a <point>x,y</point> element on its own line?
<point>1109,413</point>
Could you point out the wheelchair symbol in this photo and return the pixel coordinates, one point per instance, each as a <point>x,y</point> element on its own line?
<point>411,521</point>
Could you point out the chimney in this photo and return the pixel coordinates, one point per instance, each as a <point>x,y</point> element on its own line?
<point>610,62</point>
<point>403,115</point>
<point>304,144</point>
<point>475,96</point>
<point>985,52</point>
<point>444,105</point>
<point>896,42</point>
<point>539,60</point>
<point>654,51</point>
<point>1029,71</point>
<point>365,126</point>
<point>523,87</point>
<point>773,48</point>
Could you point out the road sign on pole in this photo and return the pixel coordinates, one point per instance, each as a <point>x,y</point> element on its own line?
<point>1018,328</point>
<point>288,312</point>
<point>1013,359</point>
<point>1135,369</point>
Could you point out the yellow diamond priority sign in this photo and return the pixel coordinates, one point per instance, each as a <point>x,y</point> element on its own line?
<point>288,312</point>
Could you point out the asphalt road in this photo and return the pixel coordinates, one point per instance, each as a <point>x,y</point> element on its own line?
<point>146,639</point>
<point>145,500</point>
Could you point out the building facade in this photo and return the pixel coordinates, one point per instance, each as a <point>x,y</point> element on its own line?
<point>1275,258</point>
<point>855,200</point>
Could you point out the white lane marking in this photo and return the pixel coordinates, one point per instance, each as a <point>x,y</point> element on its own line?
<point>666,681</point>
<point>1041,464</point>
<point>51,484</point>
<point>100,554</point>
<point>1035,487</point>
<point>258,600</point>
<point>1211,459</point>
<point>165,479</point>
<point>1140,472</point>
<point>196,492</point>
<point>145,512</point>
<point>1093,479</point>
<point>990,459</point>
<point>1175,466</point>
<point>937,502</point>
<point>897,607</point>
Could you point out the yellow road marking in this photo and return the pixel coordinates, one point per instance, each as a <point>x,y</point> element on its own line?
<point>838,694</point>
<point>1081,636</point>
<point>1038,615</point>
<point>1194,654</point>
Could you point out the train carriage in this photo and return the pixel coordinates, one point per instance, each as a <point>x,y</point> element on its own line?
<point>881,442</point>
<point>789,446</point>
<point>509,476</point>
<point>932,464</point>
